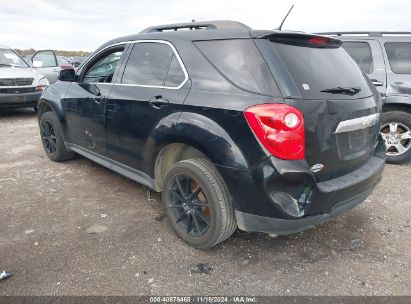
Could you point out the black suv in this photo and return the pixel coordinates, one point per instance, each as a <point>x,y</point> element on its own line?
<point>266,131</point>
<point>385,57</point>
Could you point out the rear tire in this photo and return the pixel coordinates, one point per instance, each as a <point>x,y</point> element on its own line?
<point>195,194</point>
<point>52,138</point>
<point>394,125</point>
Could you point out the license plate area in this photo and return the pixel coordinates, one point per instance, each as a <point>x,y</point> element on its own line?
<point>18,98</point>
<point>353,144</point>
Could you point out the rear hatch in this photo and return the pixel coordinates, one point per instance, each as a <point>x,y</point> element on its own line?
<point>340,106</point>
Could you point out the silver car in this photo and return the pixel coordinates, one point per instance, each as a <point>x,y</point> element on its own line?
<point>20,85</point>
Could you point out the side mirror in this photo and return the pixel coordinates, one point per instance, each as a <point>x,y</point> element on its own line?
<point>67,75</point>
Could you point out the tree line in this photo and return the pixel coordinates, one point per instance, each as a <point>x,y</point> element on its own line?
<point>28,52</point>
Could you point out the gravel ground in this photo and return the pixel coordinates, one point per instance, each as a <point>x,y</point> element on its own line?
<point>48,208</point>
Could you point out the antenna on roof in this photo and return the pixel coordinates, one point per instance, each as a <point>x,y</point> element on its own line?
<point>281,25</point>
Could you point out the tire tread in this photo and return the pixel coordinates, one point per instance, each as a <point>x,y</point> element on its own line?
<point>228,223</point>
<point>62,154</point>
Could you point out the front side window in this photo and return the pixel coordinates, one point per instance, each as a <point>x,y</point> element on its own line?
<point>399,56</point>
<point>44,59</point>
<point>149,64</point>
<point>361,53</point>
<point>9,58</point>
<point>103,70</point>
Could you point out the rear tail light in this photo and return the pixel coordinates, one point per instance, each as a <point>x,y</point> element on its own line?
<point>279,128</point>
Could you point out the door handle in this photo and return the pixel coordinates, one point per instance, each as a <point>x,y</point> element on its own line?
<point>158,101</point>
<point>99,99</point>
<point>377,83</point>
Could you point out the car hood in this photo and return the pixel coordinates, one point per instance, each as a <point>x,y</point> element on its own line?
<point>15,72</point>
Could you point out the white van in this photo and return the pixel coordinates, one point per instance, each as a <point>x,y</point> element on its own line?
<point>20,85</point>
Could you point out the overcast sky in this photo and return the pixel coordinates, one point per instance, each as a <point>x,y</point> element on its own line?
<point>84,25</point>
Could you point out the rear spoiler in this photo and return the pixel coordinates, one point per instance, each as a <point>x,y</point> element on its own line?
<point>297,38</point>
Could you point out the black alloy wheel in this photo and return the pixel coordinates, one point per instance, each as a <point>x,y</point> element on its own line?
<point>52,138</point>
<point>198,204</point>
<point>48,136</point>
<point>190,206</point>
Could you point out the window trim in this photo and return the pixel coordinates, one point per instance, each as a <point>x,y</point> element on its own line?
<point>132,43</point>
<point>389,61</point>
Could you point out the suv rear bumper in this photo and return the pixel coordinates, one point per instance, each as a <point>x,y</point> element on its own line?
<point>255,223</point>
<point>268,198</point>
<point>19,100</point>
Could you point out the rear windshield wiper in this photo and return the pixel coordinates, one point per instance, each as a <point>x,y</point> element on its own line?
<point>342,90</point>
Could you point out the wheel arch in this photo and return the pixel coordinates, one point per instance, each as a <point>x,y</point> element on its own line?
<point>402,103</point>
<point>194,135</point>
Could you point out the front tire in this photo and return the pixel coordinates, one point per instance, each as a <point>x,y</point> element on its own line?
<point>396,132</point>
<point>52,138</point>
<point>197,203</point>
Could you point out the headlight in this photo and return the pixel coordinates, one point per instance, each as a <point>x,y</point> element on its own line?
<point>43,82</point>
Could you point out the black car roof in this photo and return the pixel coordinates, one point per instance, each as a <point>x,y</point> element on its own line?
<point>197,31</point>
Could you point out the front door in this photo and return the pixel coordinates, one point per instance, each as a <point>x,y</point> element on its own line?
<point>45,62</point>
<point>153,86</point>
<point>85,101</point>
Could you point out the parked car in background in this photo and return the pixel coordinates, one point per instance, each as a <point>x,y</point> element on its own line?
<point>48,63</point>
<point>20,85</point>
<point>385,57</point>
<point>267,131</point>
<point>76,61</point>
<point>64,64</point>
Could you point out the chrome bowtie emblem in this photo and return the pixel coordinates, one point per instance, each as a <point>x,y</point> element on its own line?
<point>317,168</point>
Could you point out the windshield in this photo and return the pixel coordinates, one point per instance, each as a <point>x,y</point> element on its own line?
<point>10,58</point>
<point>315,72</point>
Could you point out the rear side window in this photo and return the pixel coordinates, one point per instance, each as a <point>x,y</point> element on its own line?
<point>175,75</point>
<point>240,62</point>
<point>361,53</point>
<point>148,64</point>
<point>314,72</point>
<point>399,56</point>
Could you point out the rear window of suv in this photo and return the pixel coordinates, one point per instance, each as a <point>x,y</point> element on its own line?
<point>399,56</point>
<point>314,72</point>
<point>240,62</point>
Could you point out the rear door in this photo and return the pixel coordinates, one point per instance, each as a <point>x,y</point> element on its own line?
<point>368,55</point>
<point>153,85</point>
<point>341,108</point>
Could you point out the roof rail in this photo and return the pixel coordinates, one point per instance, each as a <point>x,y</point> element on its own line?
<point>371,34</point>
<point>204,25</point>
